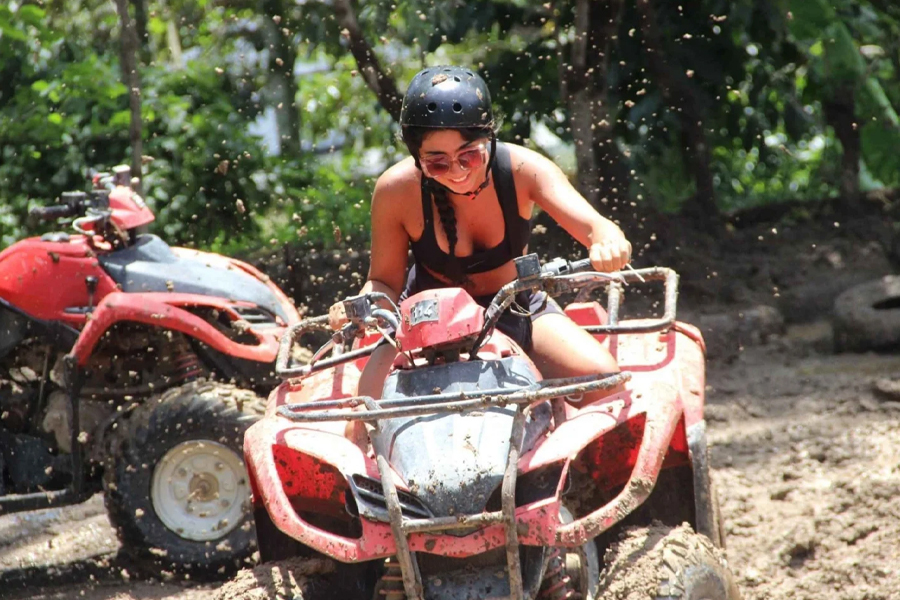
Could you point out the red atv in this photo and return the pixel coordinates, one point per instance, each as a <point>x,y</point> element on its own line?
<point>133,367</point>
<point>473,477</point>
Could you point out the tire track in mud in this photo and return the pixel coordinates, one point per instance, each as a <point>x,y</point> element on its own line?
<point>807,461</point>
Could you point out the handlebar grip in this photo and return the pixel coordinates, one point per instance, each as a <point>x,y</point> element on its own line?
<point>51,213</point>
<point>578,266</point>
<point>560,266</point>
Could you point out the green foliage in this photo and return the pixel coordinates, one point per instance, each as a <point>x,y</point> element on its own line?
<point>206,163</point>
<point>211,75</point>
<point>56,114</point>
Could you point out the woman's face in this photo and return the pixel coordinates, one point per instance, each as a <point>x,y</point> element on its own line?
<point>454,162</point>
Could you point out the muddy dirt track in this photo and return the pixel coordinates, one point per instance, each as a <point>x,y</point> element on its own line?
<point>805,453</point>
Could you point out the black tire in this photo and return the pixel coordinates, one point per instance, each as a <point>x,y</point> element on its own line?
<point>299,579</point>
<point>178,460</point>
<point>867,316</point>
<point>273,544</point>
<point>665,563</point>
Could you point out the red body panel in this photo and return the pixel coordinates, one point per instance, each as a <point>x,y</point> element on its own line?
<point>129,210</point>
<point>539,521</point>
<point>664,397</point>
<point>167,310</point>
<point>45,278</point>
<point>438,317</point>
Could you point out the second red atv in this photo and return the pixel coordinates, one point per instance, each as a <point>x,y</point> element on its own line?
<point>133,367</point>
<point>474,477</point>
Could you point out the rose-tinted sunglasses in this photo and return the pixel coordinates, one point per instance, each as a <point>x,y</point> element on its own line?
<point>440,164</point>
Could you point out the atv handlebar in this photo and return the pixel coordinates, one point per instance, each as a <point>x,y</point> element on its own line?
<point>52,213</point>
<point>555,277</point>
<point>74,204</point>
<point>367,409</point>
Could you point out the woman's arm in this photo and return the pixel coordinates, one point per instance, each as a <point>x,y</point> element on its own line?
<point>549,188</point>
<point>390,245</point>
<point>390,240</point>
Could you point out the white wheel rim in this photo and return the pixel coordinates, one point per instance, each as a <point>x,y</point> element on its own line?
<point>199,490</point>
<point>588,559</point>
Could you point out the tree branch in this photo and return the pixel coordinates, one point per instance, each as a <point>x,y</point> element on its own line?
<point>378,81</point>
<point>131,78</point>
<point>680,96</point>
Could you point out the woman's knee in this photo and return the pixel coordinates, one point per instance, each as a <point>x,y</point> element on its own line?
<point>563,349</point>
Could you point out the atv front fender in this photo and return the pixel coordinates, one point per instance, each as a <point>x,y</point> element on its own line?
<point>168,311</point>
<point>663,413</point>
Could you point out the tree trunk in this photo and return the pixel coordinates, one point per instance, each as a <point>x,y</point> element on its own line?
<point>840,113</point>
<point>284,84</point>
<point>602,175</point>
<point>131,78</point>
<point>140,23</point>
<point>375,77</point>
<point>681,97</point>
<point>608,161</point>
<point>581,96</point>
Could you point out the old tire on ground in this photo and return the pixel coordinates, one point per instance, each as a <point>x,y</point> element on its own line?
<point>175,485</point>
<point>665,563</point>
<point>298,579</point>
<point>867,316</point>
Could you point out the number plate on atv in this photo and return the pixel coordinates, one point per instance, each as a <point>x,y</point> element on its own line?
<point>426,310</point>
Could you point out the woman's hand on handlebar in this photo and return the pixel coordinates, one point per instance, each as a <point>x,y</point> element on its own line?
<point>337,317</point>
<point>611,254</point>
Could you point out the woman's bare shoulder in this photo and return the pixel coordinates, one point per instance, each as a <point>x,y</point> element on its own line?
<point>526,160</point>
<point>397,196</point>
<point>399,180</point>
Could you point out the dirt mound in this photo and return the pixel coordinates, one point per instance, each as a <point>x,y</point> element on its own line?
<point>284,580</point>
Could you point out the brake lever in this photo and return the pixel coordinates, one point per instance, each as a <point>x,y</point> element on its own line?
<point>343,338</point>
<point>635,272</point>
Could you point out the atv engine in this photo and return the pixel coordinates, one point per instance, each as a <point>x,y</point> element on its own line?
<point>20,375</point>
<point>131,362</point>
<point>134,360</point>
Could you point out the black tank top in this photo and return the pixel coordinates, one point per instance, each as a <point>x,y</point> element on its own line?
<point>517,230</point>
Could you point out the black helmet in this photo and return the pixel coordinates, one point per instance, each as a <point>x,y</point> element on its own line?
<point>447,98</point>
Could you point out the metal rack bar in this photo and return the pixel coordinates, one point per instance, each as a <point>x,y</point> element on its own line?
<point>311,412</point>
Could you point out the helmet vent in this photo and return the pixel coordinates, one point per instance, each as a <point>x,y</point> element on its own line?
<point>456,79</point>
<point>457,107</point>
<point>432,107</point>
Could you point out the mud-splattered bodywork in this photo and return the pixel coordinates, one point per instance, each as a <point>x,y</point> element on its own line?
<point>320,481</point>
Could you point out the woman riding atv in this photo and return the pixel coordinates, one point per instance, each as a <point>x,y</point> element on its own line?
<point>463,201</point>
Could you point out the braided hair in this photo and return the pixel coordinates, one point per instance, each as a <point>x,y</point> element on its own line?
<point>413,137</point>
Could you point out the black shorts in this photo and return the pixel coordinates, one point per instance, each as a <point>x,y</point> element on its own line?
<point>516,321</point>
